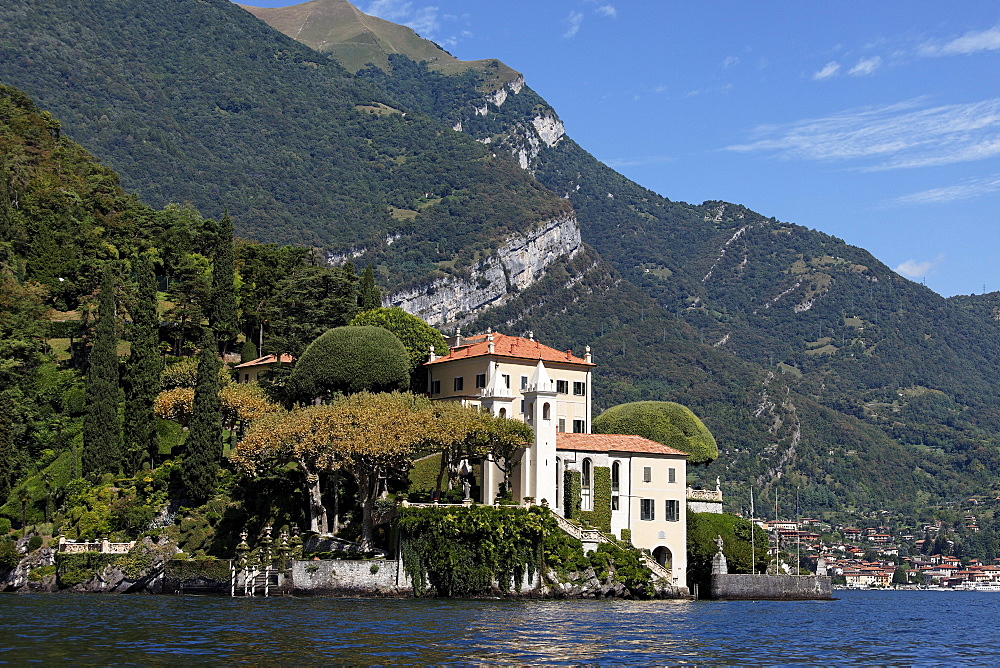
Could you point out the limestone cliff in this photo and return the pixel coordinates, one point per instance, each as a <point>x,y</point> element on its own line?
<point>520,262</point>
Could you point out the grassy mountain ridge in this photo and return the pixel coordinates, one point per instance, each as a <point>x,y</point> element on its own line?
<point>357,39</point>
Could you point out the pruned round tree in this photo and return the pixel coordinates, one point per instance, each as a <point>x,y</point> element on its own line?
<point>665,422</point>
<point>417,336</point>
<point>350,360</point>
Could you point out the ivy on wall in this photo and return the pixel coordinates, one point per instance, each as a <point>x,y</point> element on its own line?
<point>600,516</point>
<point>466,551</point>
<point>571,502</point>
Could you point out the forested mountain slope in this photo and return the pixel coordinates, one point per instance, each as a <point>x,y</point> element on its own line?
<point>877,366</point>
<point>812,362</point>
<point>198,101</point>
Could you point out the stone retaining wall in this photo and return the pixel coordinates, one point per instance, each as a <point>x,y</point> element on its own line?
<point>771,587</point>
<point>351,577</point>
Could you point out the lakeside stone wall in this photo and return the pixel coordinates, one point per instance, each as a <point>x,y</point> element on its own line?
<point>378,577</point>
<point>735,587</point>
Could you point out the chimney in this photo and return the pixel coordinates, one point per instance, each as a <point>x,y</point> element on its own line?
<point>587,357</point>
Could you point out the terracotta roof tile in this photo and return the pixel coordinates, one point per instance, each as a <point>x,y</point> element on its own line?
<point>509,346</point>
<point>613,443</point>
<point>268,359</point>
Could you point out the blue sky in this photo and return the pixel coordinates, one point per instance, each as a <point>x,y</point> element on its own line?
<point>877,122</point>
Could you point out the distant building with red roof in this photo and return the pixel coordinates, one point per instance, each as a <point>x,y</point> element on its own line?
<point>249,371</point>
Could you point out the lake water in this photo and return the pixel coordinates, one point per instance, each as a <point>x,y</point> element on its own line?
<point>922,628</point>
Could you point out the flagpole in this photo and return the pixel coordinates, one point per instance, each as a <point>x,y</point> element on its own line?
<point>798,534</point>
<point>753,554</point>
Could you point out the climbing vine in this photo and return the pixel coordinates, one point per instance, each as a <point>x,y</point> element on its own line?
<point>600,516</point>
<point>468,551</point>
<point>571,483</point>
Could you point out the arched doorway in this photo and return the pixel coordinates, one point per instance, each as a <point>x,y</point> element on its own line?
<point>663,556</point>
<point>586,480</point>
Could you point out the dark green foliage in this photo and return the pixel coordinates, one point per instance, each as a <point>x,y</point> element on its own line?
<point>462,551</point>
<point>203,445</point>
<point>369,296</point>
<point>417,336</point>
<point>350,360</point>
<point>215,570</point>
<point>142,372</point>
<point>665,422</point>
<point>9,460</point>
<point>34,543</point>
<point>102,437</point>
<point>9,557</point>
<point>222,317</point>
<point>248,352</point>
<point>626,565</point>
<point>736,532</point>
<point>600,516</point>
<point>77,568</point>
<point>307,302</point>
<point>571,487</point>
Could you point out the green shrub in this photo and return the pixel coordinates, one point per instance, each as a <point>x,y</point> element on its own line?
<point>350,360</point>
<point>665,422</point>
<point>40,573</point>
<point>4,526</point>
<point>34,543</point>
<point>9,557</point>
<point>702,530</point>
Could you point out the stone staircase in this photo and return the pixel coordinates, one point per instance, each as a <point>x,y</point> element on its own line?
<point>591,538</point>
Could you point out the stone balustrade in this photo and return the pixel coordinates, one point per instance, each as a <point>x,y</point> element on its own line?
<point>704,495</point>
<point>103,546</point>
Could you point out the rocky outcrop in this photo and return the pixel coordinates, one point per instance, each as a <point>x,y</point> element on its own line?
<point>519,263</point>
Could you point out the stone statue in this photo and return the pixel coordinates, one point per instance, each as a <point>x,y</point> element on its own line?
<point>718,541</point>
<point>718,484</point>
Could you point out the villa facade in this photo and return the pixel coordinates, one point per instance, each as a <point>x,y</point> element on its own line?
<point>628,486</point>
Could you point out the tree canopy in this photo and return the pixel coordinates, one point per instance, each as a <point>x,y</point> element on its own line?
<point>665,422</point>
<point>349,360</point>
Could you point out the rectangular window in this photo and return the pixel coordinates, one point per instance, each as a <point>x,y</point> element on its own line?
<point>524,383</point>
<point>579,427</point>
<point>522,405</point>
<point>673,510</point>
<point>562,386</point>
<point>579,388</point>
<point>562,424</point>
<point>459,383</point>
<point>646,509</point>
<point>672,475</point>
<point>614,503</point>
<point>647,474</point>
<point>246,378</point>
<point>436,387</point>
<point>506,380</point>
<point>480,380</point>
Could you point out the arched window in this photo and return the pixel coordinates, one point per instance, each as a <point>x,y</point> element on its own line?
<point>503,412</point>
<point>586,485</point>
<point>663,557</point>
<point>546,412</point>
<point>616,472</point>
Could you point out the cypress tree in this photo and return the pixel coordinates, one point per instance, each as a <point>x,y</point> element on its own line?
<point>102,432</point>
<point>8,450</point>
<point>142,372</point>
<point>203,445</point>
<point>369,296</point>
<point>222,314</point>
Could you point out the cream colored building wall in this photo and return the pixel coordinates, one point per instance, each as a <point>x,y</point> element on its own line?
<point>568,406</point>
<point>658,532</point>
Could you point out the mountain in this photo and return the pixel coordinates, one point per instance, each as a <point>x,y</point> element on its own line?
<point>813,363</point>
<point>882,363</point>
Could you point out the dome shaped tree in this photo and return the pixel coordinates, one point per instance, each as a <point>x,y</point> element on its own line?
<point>350,360</point>
<point>665,422</point>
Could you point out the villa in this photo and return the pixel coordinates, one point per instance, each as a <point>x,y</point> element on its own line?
<point>629,486</point>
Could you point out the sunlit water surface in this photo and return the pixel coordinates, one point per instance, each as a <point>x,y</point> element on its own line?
<point>911,628</point>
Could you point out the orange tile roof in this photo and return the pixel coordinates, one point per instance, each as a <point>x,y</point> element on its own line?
<point>613,443</point>
<point>509,346</point>
<point>268,359</point>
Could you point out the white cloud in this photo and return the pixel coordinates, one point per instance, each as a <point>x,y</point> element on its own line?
<point>607,10</point>
<point>829,70</point>
<point>903,135</point>
<point>968,190</point>
<point>730,61</point>
<point>617,163</point>
<point>574,19</point>
<point>424,20</point>
<point>971,42</point>
<point>866,66</point>
<point>914,269</point>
